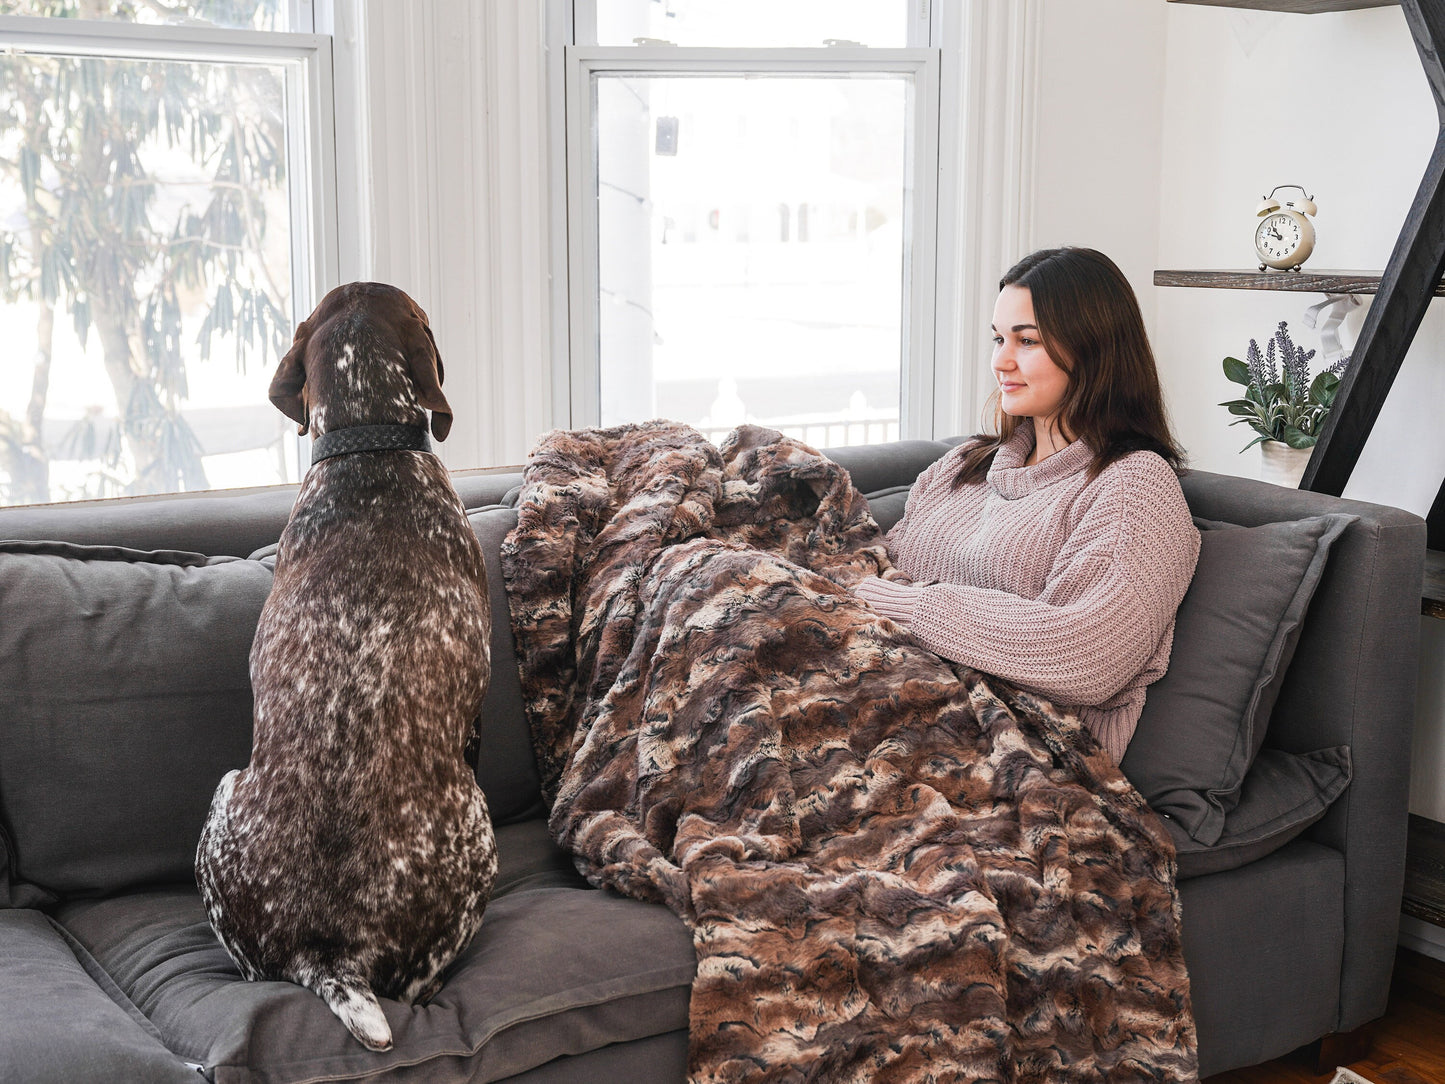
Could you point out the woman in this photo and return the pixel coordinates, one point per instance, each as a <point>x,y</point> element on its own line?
<point>1055,554</point>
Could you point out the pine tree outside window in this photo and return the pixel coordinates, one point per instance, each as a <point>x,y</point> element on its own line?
<point>163,210</point>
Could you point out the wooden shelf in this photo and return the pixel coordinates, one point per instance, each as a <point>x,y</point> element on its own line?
<point>1305,7</point>
<point>1425,871</point>
<point>1433,602</point>
<point>1308,282</point>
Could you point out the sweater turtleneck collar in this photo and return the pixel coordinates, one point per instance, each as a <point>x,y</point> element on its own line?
<point>1011,479</point>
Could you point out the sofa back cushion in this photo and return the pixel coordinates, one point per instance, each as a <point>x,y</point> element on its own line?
<point>506,768</point>
<point>124,697</point>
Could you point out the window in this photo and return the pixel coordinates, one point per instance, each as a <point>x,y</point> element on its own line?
<point>751,215</point>
<point>163,210</point>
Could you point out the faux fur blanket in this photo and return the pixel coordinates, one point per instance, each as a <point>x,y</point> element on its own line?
<point>894,869</point>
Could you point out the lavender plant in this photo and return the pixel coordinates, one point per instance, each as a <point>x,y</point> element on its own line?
<point>1281,401</point>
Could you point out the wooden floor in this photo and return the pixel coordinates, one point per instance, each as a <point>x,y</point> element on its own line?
<point>1409,1044</point>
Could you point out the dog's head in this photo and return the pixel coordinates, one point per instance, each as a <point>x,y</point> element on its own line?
<point>366,356</point>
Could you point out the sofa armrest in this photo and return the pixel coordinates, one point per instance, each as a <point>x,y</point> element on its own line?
<point>1352,682</point>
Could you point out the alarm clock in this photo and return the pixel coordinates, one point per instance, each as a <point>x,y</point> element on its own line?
<point>1285,236</point>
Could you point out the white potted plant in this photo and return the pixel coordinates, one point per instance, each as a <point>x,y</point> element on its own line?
<point>1282,403</point>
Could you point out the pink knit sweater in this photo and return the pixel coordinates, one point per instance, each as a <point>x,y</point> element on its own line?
<point>1060,585</point>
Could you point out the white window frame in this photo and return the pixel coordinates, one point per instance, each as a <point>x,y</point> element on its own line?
<point>310,115</point>
<point>576,373</point>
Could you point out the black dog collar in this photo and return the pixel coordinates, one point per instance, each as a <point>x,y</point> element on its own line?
<point>369,438</point>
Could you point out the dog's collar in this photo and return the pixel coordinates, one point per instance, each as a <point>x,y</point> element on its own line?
<point>369,438</point>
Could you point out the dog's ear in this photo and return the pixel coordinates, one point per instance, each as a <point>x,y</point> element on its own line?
<point>290,379</point>
<point>427,374</point>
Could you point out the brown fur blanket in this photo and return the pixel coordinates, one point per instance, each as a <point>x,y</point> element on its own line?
<point>894,869</point>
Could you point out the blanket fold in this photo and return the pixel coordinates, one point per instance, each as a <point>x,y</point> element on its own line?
<point>894,869</point>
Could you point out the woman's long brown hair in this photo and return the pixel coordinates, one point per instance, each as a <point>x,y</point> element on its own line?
<point>1090,324</point>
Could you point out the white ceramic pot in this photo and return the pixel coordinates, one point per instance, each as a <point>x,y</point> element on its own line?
<point>1281,464</point>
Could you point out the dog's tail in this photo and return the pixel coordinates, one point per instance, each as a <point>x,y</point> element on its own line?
<point>349,996</point>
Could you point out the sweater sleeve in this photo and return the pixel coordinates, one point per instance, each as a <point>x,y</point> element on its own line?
<point>1108,600</point>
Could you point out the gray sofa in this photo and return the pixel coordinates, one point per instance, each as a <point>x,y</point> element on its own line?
<point>124,698</point>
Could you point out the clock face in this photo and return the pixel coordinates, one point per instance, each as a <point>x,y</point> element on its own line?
<point>1278,237</point>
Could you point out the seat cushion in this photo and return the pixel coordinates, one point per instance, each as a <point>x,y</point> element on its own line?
<point>557,968</point>
<point>1205,720</point>
<point>125,695</point>
<point>58,1026</point>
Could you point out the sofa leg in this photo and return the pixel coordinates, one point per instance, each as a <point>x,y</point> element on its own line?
<point>1343,1047</point>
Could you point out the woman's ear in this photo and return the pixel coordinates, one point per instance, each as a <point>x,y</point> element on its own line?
<point>290,380</point>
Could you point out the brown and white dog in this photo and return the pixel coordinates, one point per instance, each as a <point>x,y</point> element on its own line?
<point>354,855</point>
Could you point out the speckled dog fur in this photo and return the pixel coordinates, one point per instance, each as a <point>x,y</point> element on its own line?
<point>355,854</point>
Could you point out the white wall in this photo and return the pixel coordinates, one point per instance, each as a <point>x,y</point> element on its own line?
<point>1100,115</point>
<point>1335,102</point>
<point>1338,103</point>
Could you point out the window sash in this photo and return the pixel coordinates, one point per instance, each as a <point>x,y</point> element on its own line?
<point>922,28</point>
<point>583,376</point>
<point>310,128</point>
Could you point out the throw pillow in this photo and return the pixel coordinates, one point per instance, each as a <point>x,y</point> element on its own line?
<point>125,695</point>
<point>1283,794</point>
<point>1204,721</point>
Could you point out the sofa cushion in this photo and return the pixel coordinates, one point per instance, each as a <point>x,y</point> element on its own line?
<point>506,767</point>
<point>124,697</point>
<point>1204,721</point>
<point>557,968</point>
<point>1283,794</point>
<point>888,505</point>
<point>59,1025</point>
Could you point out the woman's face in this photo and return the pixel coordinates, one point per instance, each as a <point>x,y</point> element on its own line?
<point>1030,384</point>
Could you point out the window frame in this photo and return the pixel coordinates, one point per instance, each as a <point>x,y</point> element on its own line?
<point>576,360</point>
<point>311,148</point>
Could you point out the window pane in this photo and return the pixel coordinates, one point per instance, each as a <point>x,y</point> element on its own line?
<point>236,14</point>
<point>145,276</point>
<point>754,23</point>
<point>751,252</point>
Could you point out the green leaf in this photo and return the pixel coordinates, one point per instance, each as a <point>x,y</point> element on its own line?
<point>1325,389</point>
<point>1256,440</point>
<point>1321,384</point>
<point>1295,439</point>
<point>1241,407</point>
<point>1236,371</point>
